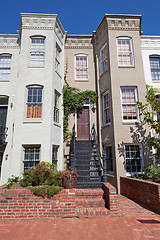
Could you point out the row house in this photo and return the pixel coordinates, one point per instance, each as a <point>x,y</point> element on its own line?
<point>31,81</point>
<point>110,61</point>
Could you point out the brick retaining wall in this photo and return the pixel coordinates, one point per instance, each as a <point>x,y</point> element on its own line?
<point>22,203</point>
<point>110,197</point>
<point>145,192</point>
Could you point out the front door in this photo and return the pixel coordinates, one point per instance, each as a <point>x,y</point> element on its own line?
<point>83,126</point>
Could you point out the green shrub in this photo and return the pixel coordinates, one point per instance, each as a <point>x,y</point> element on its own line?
<point>38,175</point>
<point>13,179</point>
<point>153,172</point>
<point>139,176</point>
<point>45,191</point>
<point>57,179</point>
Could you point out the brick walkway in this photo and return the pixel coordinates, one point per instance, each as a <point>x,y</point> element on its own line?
<point>133,222</point>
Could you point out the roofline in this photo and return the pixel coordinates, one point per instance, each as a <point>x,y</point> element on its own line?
<point>79,35</point>
<point>150,36</point>
<point>38,15</point>
<point>9,35</point>
<point>120,15</point>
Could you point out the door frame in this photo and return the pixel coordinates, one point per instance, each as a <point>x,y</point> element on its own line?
<point>89,107</point>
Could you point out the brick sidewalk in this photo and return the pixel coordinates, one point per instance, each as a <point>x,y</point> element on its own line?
<point>112,228</point>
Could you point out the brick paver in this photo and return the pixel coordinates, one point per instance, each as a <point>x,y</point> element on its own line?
<point>113,228</point>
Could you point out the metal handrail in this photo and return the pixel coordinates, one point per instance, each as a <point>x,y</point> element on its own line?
<point>95,140</point>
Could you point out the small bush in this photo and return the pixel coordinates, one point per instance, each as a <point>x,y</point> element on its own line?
<point>153,172</point>
<point>13,179</point>
<point>45,191</point>
<point>139,176</point>
<point>38,175</point>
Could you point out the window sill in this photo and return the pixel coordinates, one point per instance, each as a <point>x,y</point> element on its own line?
<point>4,80</point>
<point>131,174</point>
<point>130,122</point>
<point>30,66</point>
<point>131,66</point>
<point>32,121</point>
<point>81,80</point>
<point>156,81</point>
<point>57,124</point>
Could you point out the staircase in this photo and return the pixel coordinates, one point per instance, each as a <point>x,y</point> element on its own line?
<point>90,203</point>
<point>87,165</point>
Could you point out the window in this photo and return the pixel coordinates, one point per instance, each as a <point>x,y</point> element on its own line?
<point>37,51</point>
<point>155,67</point>
<point>133,158</point>
<point>31,156</point>
<point>81,68</point>
<point>106,109</point>
<point>158,113</point>
<point>58,59</point>
<point>108,150</point>
<point>103,59</point>
<point>125,51</point>
<point>54,156</point>
<point>34,102</point>
<point>56,106</point>
<point>5,66</point>
<point>129,107</point>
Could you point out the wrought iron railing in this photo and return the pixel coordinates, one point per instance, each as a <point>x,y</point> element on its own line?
<point>101,157</point>
<point>73,150</point>
<point>3,133</point>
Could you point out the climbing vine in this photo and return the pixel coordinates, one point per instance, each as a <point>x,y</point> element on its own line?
<point>73,99</point>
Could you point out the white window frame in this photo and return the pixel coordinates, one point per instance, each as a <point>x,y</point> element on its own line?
<point>137,111</point>
<point>108,109</point>
<point>141,158</point>
<point>37,62</point>
<point>103,61</point>
<point>34,146</point>
<point>81,79</point>
<point>56,117</point>
<point>5,66</point>
<point>158,57</point>
<point>58,59</point>
<point>27,103</point>
<point>129,53</point>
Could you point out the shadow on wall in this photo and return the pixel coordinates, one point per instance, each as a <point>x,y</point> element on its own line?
<point>138,136</point>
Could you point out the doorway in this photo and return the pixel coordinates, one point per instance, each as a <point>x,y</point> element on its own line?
<point>83,123</point>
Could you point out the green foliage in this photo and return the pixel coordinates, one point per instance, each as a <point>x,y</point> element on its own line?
<point>73,100</point>
<point>13,179</point>
<point>45,191</point>
<point>138,176</point>
<point>153,172</point>
<point>38,175</point>
<point>149,110</point>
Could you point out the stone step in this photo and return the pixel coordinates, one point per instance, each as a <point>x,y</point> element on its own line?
<point>89,179</point>
<point>86,162</point>
<point>86,167</point>
<point>91,173</point>
<point>83,212</point>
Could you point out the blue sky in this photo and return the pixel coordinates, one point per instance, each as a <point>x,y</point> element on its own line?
<point>80,17</point>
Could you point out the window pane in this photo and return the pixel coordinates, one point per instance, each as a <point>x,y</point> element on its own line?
<point>155,67</point>
<point>125,54</point>
<point>31,157</point>
<point>132,158</point>
<point>34,103</point>
<point>81,67</point>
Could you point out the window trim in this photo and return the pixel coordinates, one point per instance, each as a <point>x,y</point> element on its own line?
<point>81,55</point>
<point>154,56</point>
<point>103,110</point>
<point>57,108</point>
<point>6,55</point>
<point>141,157</point>
<point>101,63</point>
<point>132,52</point>
<point>136,97</point>
<point>26,101</point>
<point>42,37</point>
<point>24,146</point>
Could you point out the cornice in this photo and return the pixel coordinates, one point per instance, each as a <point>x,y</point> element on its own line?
<point>78,43</point>
<point>78,47</point>
<point>8,41</point>
<point>126,24</point>
<point>150,43</point>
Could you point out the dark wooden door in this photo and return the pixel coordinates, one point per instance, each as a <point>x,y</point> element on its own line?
<point>83,125</point>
